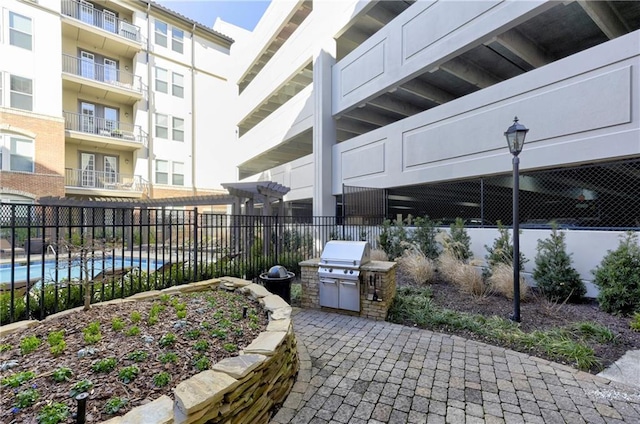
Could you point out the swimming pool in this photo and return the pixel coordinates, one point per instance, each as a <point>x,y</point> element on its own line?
<point>65,271</point>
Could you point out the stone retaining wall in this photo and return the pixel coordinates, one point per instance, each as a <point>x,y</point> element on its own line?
<point>240,389</point>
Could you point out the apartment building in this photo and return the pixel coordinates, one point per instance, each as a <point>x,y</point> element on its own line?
<point>111,99</point>
<point>404,95</point>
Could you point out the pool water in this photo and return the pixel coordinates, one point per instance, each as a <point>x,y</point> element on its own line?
<point>66,270</point>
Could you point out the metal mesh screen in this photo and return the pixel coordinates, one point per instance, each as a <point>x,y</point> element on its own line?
<point>596,196</point>
<point>363,205</point>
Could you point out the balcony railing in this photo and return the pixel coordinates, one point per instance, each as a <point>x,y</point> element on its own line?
<point>87,68</point>
<point>104,127</point>
<point>105,20</point>
<point>103,180</point>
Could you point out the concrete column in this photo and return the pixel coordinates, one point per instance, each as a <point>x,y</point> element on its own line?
<point>324,131</point>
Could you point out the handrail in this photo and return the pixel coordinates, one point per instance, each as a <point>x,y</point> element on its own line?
<point>86,13</point>
<point>95,71</point>
<point>103,180</point>
<point>103,127</point>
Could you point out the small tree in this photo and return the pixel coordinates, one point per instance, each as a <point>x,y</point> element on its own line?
<point>553,273</point>
<point>458,243</point>
<point>502,251</point>
<point>393,238</point>
<point>424,236</point>
<point>618,277</point>
<point>80,253</point>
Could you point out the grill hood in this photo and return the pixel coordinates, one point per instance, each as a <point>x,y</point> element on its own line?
<point>345,254</point>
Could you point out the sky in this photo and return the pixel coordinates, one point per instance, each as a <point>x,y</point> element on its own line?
<point>242,13</point>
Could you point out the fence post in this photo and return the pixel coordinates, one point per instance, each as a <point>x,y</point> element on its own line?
<point>195,241</point>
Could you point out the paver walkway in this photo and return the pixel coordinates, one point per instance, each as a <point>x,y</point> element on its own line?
<point>354,370</point>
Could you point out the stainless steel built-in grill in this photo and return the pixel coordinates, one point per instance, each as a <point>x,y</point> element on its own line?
<point>339,273</point>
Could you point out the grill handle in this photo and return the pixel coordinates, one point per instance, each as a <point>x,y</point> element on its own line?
<point>348,283</point>
<point>332,260</point>
<point>327,281</point>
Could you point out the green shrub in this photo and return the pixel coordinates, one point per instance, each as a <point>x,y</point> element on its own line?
<point>553,273</point>
<point>634,324</point>
<point>393,237</point>
<point>29,344</point>
<point>114,405</point>
<point>501,252</point>
<point>128,374</point>
<point>61,374</point>
<point>424,236</point>
<point>53,413</point>
<point>457,242</point>
<point>82,386</point>
<point>104,365</point>
<point>618,277</point>
<point>20,308</point>
<point>161,379</point>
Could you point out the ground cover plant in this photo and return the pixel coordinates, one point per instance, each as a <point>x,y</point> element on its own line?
<point>576,334</point>
<point>122,355</point>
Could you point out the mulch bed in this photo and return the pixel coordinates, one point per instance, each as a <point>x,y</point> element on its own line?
<point>537,314</point>
<point>206,311</point>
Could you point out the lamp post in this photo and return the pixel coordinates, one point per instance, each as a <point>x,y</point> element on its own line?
<point>515,135</point>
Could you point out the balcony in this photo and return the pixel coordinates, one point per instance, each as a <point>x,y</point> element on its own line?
<point>82,75</point>
<point>100,28</point>
<point>103,183</point>
<point>102,132</point>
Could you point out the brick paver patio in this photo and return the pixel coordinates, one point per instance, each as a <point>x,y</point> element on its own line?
<point>355,370</point>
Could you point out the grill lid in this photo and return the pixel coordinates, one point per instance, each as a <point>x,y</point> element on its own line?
<point>345,254</point>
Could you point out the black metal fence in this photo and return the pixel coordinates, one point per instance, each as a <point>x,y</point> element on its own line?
<point>49,255</point>
<point>594,196</point>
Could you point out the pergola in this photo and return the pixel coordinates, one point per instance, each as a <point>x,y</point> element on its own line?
<point>248,194</point>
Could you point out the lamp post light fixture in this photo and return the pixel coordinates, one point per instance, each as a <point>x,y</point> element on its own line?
<point>515,135</point>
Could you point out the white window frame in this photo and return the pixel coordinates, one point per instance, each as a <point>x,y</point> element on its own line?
<point>13,30</point>
<point>177,89</point>
<point>20,93</point>
<point>177,40</point>
<point>162,85</point>
<point>161,119</point>
<point>177,170</point>
<point>7,152</point>
<point>161,34</point>
<point>177,129</point>
<point>159,171</point>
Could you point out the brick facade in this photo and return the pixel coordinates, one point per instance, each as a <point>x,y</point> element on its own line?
<point>48,134</point>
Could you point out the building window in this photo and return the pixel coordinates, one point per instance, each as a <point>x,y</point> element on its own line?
<point>162,126</point>
<point>20,31</point>
<point>177,174</point>
<point>16,154</point>
<point>162,172</point>
<point>177,40</point>
<point>161,33</point>
<point>21,93</point>
<point>177,89</point>
<point>178,129</point>
<point>162,83</point>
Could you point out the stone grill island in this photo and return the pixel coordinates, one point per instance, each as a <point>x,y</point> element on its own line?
<point>376,289</point>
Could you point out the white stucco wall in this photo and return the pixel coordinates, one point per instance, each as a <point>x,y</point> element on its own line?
<point>586,247</point>
<point>579,109</point>
<point>43,63</point>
